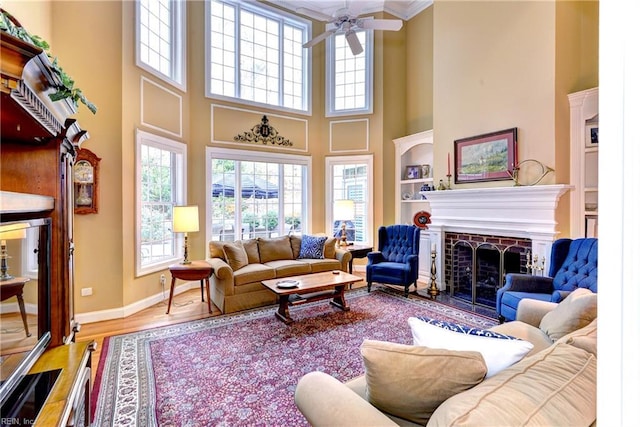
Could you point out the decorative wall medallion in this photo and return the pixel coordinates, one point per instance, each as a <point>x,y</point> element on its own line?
<point>264,133</point>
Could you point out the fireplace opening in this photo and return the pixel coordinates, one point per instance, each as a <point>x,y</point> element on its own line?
<point>476,265</point>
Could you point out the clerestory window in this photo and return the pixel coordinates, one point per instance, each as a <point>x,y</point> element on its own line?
<point>349,78</point>
<point>161,39</point>
<point>254,55</point>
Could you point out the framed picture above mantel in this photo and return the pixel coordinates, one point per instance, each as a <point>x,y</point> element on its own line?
<point>487,157</point>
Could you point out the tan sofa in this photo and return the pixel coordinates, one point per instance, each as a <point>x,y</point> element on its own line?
<point>239,268</point>
<point>554,384</point>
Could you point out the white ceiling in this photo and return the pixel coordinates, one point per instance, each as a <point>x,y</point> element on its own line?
<point>404,9</point>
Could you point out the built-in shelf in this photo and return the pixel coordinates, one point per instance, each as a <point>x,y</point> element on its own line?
<point>584,163</point>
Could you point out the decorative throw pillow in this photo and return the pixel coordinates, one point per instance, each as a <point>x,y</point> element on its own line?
<point>498,350</point>
<point>330,247</point>
<point>410,382</point>
<point>576,311</point>
<point>275,249</point>
<point>312,247</point>
<point>236,255</point>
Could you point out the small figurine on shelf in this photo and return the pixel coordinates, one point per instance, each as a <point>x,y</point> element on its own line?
<point>441,185</point>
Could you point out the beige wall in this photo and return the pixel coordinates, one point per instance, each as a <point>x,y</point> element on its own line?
<point>451,68</point>
<point>420,72</point>
<point>499,65</point>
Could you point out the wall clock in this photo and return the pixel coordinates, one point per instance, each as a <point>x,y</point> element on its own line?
<point>85,182</point>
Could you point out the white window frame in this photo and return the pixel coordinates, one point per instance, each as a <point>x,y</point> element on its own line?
<point>272,12</point>
<point>178,46</point>
<point>180,179</point>
<point>332,161</point>
<point>330,89</point>
<point>253,156</point>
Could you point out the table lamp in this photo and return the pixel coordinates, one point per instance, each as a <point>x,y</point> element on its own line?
<point>343,210</point>
<point>185,220</point>
<point>9,232</point>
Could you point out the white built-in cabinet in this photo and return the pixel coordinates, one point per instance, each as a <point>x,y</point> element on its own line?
<point>584,163</point>
<point>410,196</point>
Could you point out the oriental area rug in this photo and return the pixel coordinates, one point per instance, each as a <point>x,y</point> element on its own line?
<point>242,369</point>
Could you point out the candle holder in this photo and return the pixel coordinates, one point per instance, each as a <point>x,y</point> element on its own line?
<point>448,181</point>
<point>433,289</point>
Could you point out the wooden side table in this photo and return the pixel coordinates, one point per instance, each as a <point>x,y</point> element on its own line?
<point>196,270</point>
<point>357,251</point>
<point>13,288</point>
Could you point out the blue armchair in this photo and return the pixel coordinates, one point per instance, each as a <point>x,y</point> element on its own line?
<point>396,260</point>
<point>573,264</point>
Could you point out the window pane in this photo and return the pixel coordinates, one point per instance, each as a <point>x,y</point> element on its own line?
<point>350,75</point>
<point>351,182</point>
<point>269,45</point>
<point>252,199</point>
<point>160,32</point>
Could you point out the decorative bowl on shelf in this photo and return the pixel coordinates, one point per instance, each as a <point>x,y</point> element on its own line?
<point>407,196</point>
<point>590,206</point>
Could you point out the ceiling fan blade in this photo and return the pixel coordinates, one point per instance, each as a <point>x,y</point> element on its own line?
<point>380,24</point>
<point>354,43</point>
<point>314,14</point>
<point>318,39</point>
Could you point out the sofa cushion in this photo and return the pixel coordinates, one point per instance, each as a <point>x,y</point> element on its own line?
<point>499,351</point>
<point>253,273</point>
<point>585,338</point>
<point>312,247</point>
<point>330,247</point>
<point>235,254</point>
<point>526,332</point>
<point>216,250</point>
<point>251,248</point>
<point>320,265</point>
<point>572,313</point>
<point>411,381</point>
<point>275,248</point>
<point>555,387</point>
<point>289,267</point>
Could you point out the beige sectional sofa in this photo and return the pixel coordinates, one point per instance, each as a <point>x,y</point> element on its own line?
<point>554,384</point>
<point>239,268</point>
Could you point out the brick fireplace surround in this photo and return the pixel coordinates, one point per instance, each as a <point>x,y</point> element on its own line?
<point>500,213</point>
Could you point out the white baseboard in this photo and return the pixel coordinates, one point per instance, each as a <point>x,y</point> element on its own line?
<point>121,313</point>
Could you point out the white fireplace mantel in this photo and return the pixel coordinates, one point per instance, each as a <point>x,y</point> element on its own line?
<point>518,211</point>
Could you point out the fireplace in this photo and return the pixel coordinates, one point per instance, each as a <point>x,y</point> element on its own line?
<point>481,234</point>
<point>476,265</point>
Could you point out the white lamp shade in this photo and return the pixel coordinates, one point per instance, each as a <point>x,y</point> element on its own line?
<point>185,219</point>
<point>343,210</point>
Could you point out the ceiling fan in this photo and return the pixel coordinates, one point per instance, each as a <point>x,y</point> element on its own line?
<point>347,21</point>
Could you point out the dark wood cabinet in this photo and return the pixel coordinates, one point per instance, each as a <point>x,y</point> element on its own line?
<point>39,144</point>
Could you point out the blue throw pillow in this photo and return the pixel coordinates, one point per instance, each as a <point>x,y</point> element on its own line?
<point>455,327</point>
<point>312,247</point>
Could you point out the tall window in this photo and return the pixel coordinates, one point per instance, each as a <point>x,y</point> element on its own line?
<point>349,78</point>
<point>160,32</point>
<point>255,54</point>
<point>161,184</point>
<point>350,178</point>
<point>256,194</point>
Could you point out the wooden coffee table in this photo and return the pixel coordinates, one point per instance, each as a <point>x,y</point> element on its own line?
<point>311,287</point>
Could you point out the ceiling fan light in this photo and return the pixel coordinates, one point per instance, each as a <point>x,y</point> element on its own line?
<point>354,43</point>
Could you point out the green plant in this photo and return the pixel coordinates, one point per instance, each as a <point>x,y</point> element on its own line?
<point>271,220</point>
<point>67,89</point>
